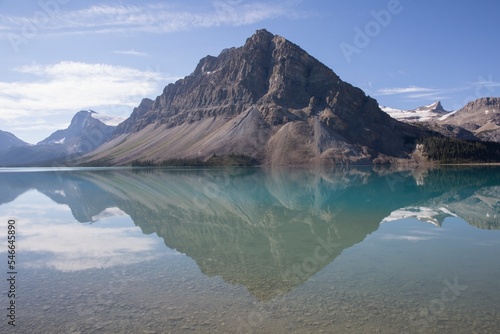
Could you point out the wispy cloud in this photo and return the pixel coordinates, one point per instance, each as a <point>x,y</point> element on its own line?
<point>66,87</point>
<point>419,93</point>
<point>131,52</point>
<point>486,83</point>
<point>403,90</point>
<point>73,85</point>
<point>46,220</point>
<point>404,237</point>
<point>152,18</point>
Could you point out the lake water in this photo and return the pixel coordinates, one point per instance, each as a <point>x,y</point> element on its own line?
<point>355,250</point>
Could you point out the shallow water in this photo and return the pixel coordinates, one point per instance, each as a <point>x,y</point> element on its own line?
<point>355,250</point>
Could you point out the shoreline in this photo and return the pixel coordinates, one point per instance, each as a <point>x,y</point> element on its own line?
<point>404,166</point>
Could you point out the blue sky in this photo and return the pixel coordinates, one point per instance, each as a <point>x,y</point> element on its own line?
<point>61,56</point>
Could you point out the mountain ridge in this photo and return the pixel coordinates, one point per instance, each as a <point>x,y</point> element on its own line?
<point>481,117</point>
<point>478,120</point>
<point>8,140</point>
<point>271,103</point>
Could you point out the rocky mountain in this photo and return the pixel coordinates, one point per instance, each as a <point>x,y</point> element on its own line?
<point>84,134</point>
<point>481,117</point>
<point>8,140</point>
<point>269,100</point>
<point>478,120</point>
<point>426,113</point>
<point>127,125</point>
<point>432,117</point>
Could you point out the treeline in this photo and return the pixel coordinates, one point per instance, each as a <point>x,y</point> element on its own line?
<point>451,150</point>
<point>214,161</point>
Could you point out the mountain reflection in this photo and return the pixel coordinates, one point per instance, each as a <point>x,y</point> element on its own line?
<point>267,229</point>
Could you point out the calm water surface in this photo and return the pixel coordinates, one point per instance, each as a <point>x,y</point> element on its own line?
<point>356,250</point>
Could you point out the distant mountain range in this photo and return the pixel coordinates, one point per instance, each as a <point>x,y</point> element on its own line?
<point>481,117</point>
<point>434,111</point>
<point>268,101</point>
<point>83,135</point>
<point>478,120</point>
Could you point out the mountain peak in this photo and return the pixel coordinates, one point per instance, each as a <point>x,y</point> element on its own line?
<point>484,102</point>
<point>437,106</point>
<point>82,124</point>
<point>8,140</point>
<point>268,99</point>
<point>80,118</point>
<point>261,35</point>
<point>263,39</point>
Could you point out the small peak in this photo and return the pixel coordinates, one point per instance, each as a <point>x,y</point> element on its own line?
<point>80,117</point>
<point>205,64</point>
<point>438,106</point>
<point>146,101</point>
<point>261,36</point>
<point>488,100</point>
<point>263,32</point>
<point>82,114</point>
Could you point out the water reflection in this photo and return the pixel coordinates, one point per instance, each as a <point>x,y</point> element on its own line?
<point>268,230</point>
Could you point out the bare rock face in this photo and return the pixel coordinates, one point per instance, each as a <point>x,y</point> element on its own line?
<point>82,135</point>
<point>127,125</point>
<point>268,99</point>
<point>481,117</point>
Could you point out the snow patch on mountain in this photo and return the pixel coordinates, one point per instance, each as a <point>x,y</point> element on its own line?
<point>426,113</point>
<point>425,214</point>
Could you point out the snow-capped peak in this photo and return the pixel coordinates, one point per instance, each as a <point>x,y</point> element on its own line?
<point>421,114</point>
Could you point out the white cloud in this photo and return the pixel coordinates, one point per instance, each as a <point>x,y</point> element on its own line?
<point>403,90</point>
<point>43,221</point>
<point>131,52</point>
<point>421,94</point>
<point>153,18</point>
<point>71,252</point>
<point>66,87</point>
<point>404,237</point>
<point>426,96</point>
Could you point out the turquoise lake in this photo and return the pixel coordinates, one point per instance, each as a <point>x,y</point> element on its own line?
<point>253,250</point>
